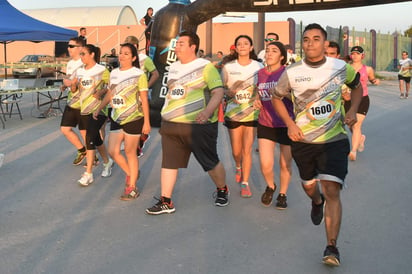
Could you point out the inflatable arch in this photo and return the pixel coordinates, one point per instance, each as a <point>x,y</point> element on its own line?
<point>181,15</point>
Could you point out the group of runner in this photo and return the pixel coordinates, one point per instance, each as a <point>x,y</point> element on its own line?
<point>94,95</point>
<point>299,107</point>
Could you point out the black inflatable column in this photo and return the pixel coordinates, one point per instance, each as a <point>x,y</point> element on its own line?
<point>168,23</point>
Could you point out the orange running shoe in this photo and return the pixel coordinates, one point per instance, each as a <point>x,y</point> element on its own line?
<point>245,191</point>
<point>238,174</point>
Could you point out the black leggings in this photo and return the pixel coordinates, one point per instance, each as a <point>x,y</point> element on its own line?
<point>93,138</point>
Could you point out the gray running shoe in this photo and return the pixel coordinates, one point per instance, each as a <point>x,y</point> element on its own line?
<point>86,179</point>
<point>107,168</point>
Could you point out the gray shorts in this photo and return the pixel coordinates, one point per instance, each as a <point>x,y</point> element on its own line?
<point>180,140</point>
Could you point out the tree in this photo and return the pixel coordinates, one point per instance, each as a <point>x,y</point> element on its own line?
<point>408,32</point>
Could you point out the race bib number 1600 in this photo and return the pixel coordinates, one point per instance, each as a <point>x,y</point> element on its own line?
<point>321,110</point>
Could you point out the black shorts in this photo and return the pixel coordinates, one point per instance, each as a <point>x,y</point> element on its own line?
<point>363,106</point>
<point>278,134</point>
<point>71,118</point>
<point>93,137</point>
<point>233,124</point>
<point>180,140</point>
<point>133,127</point>
<point>323,161</point>
<point>406,79</point>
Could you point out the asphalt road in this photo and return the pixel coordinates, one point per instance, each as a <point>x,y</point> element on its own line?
<point>49,224</point>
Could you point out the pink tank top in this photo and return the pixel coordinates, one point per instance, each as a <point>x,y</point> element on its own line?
<point>364,79</point>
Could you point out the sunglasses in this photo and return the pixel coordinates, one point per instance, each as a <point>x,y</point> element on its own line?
<point>270,39</point>
<point>72,46</point>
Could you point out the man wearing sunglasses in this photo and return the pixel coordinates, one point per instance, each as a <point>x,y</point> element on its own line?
<point>71,114</point>
<point>270,37</point>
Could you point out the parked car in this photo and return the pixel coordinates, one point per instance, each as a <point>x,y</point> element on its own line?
<point>37,65</point>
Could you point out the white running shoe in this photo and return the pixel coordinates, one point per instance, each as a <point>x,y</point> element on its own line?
<point>86,179</point>
<point>1,159</point>
<point>107,168</point>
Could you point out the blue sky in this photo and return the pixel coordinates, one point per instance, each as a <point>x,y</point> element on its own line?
<point>384,18</point>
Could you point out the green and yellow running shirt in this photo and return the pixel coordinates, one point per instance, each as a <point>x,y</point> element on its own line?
<point>241,81</point>
<point>189,90</point>
<point>146,63</point>
<point>317,97</point>
<point>73,98</point>
<point>126,85</point>
<point>90,81</point>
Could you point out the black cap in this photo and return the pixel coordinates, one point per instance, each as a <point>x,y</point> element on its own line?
<point>357,49</point>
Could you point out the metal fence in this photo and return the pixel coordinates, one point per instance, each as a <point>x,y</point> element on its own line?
<point>382,51</point>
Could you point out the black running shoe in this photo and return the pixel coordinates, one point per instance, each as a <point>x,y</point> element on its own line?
<point>139,152</point>
<point>161,207</point>
<point>79,158</point>
<point>267,196</point>
<point>222,196</point>
<point>331,256</point>
<point>316,213</point>
<point>143,140</point>
<point>281,202</point>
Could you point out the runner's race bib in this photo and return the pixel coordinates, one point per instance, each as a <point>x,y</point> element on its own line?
<point>87,82</point>
<point>243,96</point>
<point>321,110</point>
<point>177,92</point>
<point>118,101</point>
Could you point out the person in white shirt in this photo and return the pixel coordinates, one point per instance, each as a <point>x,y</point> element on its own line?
<point>71,113</point>
<point>404,75</point>
<point>270,37</point>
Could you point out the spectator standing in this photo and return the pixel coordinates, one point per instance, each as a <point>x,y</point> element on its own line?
<point>218,61</point>
<point>112,59</point>
<point>147,21</point>
<point>229,57</point>
<point>82,35</point>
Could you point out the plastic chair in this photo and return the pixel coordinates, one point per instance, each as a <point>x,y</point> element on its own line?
<point>10,101</point>
<point>2,121</point>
